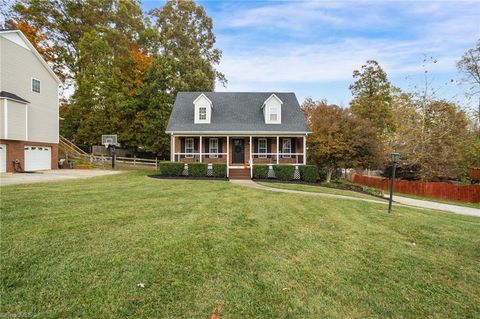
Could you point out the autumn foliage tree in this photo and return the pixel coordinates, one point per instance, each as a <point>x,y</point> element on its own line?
<point>372,97</point>
<point>339,138</point>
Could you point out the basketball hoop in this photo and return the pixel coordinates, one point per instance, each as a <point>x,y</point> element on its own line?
<point>109,140</point>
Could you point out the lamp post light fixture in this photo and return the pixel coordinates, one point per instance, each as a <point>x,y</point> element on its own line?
<point>395,157</point>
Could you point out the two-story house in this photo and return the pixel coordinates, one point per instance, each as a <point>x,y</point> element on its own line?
<point>29,101</point>
<point>240,129</point>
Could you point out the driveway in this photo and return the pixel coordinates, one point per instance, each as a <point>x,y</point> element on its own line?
<point>7,179</point>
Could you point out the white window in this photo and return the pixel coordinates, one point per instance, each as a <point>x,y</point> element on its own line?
<point>286,147</point>
<point>213,147</point>
<point>273,114</point>
<point>189,147</point>
<point>36,85</point>
<point>262,147</point>
<point>202,113</point>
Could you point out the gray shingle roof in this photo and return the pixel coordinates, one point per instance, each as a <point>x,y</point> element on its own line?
<point>12,96</point>
<point>236,112</point>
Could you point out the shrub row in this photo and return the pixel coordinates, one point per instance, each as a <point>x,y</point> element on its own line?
<point>194,169</point>
<point>171,168</point>
<point>308,173</point>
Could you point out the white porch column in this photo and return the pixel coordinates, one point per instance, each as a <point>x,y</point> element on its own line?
<point>173,148</point>
<point>228,155</point>
<point>278,148</point>
<point>304,150</point>
<point>250,157</point>
<point>201,148</point>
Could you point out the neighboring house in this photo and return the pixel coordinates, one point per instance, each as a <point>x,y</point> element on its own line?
<point>28,106</point>
<point>240,129</point>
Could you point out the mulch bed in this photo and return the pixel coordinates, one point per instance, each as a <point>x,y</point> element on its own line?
<point>190,178</point>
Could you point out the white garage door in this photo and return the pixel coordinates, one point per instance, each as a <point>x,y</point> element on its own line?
<point>3,158</point>
<point>38,158</point>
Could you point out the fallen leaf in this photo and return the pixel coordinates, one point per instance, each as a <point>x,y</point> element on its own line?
<point>217,312</point>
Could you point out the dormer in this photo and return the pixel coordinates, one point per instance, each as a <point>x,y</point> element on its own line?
<point>272,110</point>
<point>202,109</point>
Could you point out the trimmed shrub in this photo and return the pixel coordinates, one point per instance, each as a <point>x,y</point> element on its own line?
<point>219,170</point>
<point>197,169</point>
<point>309,173</point>
<point>260,171</point>
<point>284,172</point>
<point>171,168</point>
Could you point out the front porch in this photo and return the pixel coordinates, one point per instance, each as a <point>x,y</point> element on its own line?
<point>239,151</point>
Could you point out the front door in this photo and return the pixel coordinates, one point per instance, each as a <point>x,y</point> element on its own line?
<point>238,151</point>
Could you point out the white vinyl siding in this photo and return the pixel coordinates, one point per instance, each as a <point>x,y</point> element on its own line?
<point>18,66</point>
<point>286,147</point>
<point>189,147</point>
<point>16,121</point>
<point>213,147</point>
<point>262,147</point>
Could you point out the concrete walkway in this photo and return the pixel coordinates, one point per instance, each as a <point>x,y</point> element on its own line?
<point>7,179</point>
<point>252,184</point>
<point>404,201</point>
<point>461,210</point>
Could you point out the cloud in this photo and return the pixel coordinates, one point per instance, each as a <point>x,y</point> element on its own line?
<point>345,35</point>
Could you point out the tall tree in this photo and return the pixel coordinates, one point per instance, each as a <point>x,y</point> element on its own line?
<point>434,138</point>
<point>339,138</point>
<point>469,65</point>
<point>372,97</point>
<point>186,34</point>
<point>185,61</point>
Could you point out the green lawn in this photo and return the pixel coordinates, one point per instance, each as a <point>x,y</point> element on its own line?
<point>317,189</point>
<point>78,249</point>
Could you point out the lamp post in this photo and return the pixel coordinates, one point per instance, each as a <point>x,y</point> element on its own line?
<point>394,157</point>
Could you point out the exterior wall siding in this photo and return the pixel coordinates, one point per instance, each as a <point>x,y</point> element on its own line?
<point>15,150</point>
<point>17,122</point>
<point>18,66</point>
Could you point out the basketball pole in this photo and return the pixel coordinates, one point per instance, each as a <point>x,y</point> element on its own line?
<point>113,156</point>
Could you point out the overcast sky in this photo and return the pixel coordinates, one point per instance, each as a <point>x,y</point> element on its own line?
<point>312,47</point>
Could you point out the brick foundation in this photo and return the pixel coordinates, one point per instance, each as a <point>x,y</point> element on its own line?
<point>15,150</point>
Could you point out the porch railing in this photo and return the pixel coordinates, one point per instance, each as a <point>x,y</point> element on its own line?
<point>196,156</point>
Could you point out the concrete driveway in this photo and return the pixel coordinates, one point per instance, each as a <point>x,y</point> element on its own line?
<point>7,179</point>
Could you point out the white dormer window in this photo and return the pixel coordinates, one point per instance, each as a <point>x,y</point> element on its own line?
<point>273,114</point>
<point>272,110</point>
<point>202,110</point>
<point>202,113</point>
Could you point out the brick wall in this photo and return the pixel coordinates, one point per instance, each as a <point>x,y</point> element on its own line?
<point>15,150</point>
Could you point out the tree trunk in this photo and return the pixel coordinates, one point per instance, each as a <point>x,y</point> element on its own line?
<point>330,169</point>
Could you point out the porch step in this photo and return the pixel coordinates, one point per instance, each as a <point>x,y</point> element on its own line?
<point>239,173</point>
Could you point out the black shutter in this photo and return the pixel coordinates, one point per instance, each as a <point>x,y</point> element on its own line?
<point>269,147</point>
<point>182,146</point>
<point>206,142</point>
<point>196,144</point>
<point>294,146</point>
<point>220,146</point>
<point>280,146</point>
<point>255,147</point>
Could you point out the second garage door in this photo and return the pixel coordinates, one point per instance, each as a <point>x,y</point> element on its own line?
<point>38,158</point>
